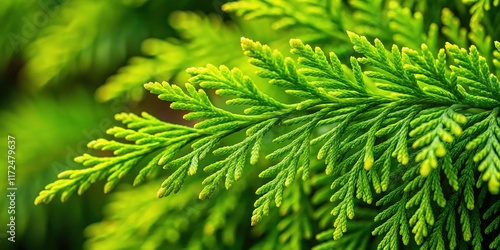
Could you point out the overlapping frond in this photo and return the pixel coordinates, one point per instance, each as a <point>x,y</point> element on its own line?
<point>59,51</point>
<point>200,37</point>
<point>321,17</point>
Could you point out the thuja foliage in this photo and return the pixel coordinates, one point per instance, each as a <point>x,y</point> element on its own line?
<point>395,147</point>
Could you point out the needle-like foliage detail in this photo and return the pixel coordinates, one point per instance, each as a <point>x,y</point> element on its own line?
<point>148,134</point>
<point>412,130</point>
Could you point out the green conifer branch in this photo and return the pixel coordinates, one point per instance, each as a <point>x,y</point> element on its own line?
<point>437,121</point>
<point>148,134</point>
<point>396,223</point>
<point>324,23</point>
<point>493,226</point>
